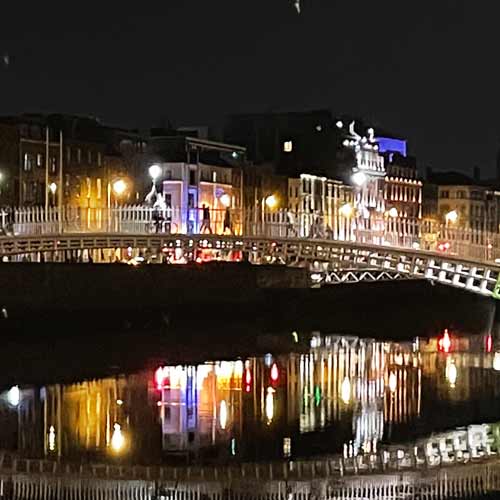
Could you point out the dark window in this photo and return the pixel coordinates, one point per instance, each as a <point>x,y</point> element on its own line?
<point>168,200</point>
<point>445,194</point>
<point>192,177</point>
<point>190,200</point>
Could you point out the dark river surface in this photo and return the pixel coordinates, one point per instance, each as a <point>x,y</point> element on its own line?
<point>325,393</point>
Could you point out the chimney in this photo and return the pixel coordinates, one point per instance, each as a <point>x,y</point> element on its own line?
<point>476,174</point>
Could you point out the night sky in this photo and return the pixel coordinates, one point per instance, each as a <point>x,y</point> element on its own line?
<point>427,69</point>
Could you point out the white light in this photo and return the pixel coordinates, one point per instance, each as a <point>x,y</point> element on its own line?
<point>339,124</point>
<point>416,246</point>
<point>345,391</point>
<point>223,415</point>
<point>452,216</point>
<point>359,178</point>
<point>393,212</point>
<point>370,131</point>
<point>393,382</point>
<point>270,404</point>
<point>451,373</point>
<point>155,171</point>
<point>14,396</point>
<point>496,362</point>
<point>119,402</point>
<point>319,128</point>
<point>271,201</point>
<point>119,187</point>
<point>346,210</point>
<point>1,176</point>
<point>53,187</point>
<point>288,146</point>
<point>52,438</point>
<point>225,199</point>
<point>117,440</point>
<point>287,447</point>
<point>345,143</point>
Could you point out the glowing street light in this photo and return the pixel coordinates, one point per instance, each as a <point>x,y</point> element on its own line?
<point>346,210</point>
<point>53,187</point>
<point>271,201</point>
<point>393,212</point>
<point>119,187</point>
<point>225,199</point>
<point>154,172</point>
<point>451,216</point>
<point>359,178</point>
<point>117,439</point>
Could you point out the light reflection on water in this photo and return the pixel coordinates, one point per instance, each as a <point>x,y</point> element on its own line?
<point>344,394</point>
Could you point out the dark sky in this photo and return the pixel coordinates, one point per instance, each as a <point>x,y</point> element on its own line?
<point>427,69</point>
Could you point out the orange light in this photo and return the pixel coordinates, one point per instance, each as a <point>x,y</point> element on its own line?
<point>275,373</point>
<point>489,343</point>
<point>444,343</point>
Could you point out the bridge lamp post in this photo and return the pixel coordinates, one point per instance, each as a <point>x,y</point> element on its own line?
<point>53,189</point>
<point>346,211</point>
<point>154,173</point>
<point>271,202</point>
<point>451,217</point>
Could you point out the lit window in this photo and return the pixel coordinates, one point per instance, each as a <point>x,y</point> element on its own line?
<point>287,146</point>
<point>99,158</point>
<point>79,155</point>
<point>99,188</point>
<point>39,160</point>
<point>89,187</point>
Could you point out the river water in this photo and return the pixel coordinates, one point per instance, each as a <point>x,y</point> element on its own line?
<point>326,394</point>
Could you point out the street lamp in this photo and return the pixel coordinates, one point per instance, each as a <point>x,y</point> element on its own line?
<point>271,201</point>
<point>154,172</point>
<point>359,178</point>
<point>451,216</point>
<point>393,212</point>
<point>225,199</point>
<point>53,189</point>
<point>119,187</point>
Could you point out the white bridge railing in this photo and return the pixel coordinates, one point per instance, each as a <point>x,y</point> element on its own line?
<point>137,219</point>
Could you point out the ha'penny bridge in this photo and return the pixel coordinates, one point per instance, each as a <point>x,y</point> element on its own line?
<point>470,260</point>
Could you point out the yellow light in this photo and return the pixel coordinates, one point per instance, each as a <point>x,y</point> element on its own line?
<point>393,212</point>
<point>117,439</point>
<point>271,201</point>
<point>225,199</point>
<point>393,382</point>
<point>346,210</point>
<point>345,390</point>
<point>238,368</point>
<point>223,415</point>
<point>53,187</point>
<point>52,438</point>
<point>452,216</point>
<point>119,187</point>
<point>119,402</point>
<point>451,372</point>
<point>270,404</point>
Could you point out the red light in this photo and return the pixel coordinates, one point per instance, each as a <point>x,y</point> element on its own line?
<point>275,373</point>
<point>489,343</point>
<point>444,343</point>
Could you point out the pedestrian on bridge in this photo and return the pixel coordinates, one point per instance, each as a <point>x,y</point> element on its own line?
<point>205,224</point>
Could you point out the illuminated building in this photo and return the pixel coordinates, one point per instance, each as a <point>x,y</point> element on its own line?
<point>89,157</point>
<point>198,173</point>
<point>368,177</point>
<point>403,195</point>
<point>315,204</point>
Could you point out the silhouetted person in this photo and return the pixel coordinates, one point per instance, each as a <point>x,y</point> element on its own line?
<point>205,224</point>
<point>227,221</point>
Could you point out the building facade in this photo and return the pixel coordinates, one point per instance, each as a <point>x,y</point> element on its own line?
<point>202,191</point>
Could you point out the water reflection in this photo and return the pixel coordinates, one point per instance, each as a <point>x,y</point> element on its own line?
<point>344,394</point>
